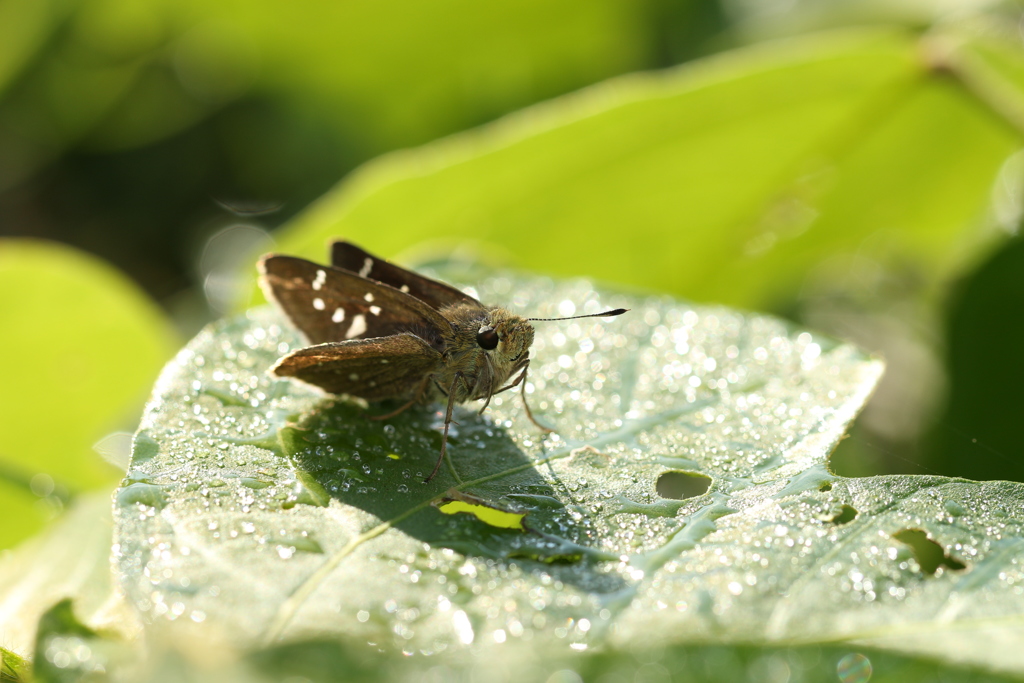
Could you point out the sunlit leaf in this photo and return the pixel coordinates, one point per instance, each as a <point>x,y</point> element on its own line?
<point>216,522</point>
<point>69,559</point>
<point>82,344</point>
<point>737,179</point>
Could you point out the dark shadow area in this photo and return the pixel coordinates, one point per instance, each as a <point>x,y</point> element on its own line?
<point>975,435</point>
<point>978,434</point>
<point>379,467</point>
<point>149,209</point>
<point>682,485</point>
<point>864,454</point>
<point>927,552</point>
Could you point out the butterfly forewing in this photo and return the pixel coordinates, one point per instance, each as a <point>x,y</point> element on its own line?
<point>437,294</point>
<point>333,304</point>
<point>373,369</point>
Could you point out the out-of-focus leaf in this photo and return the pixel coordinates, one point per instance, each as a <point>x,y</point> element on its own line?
<point>736,179</point>
<point>69,651</point>
<point>322,660</point>
<point>985,53</point>
<point>402,72</point>
<point>81,343</point>
<point>326,660</point>
<point>26,25</point>
<point>122,74</point>
<point>61,641</point>
<point>13,668</point>
<point>71,559</point>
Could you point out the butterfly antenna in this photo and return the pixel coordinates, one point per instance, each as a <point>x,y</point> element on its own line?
<point>606,314</point>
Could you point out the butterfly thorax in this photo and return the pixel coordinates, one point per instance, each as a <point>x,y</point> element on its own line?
<point>485,370</point>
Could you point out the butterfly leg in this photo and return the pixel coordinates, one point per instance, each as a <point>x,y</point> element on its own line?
<point>521,380</point>
<point>415,399</point>
<point>447,423</point>
<point>515,382</point>
<point>504,388</point>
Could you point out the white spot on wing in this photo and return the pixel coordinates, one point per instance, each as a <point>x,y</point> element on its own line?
<point>318,304</point>
<point>321,278</point>
<point>358,327</point>
<point>367,265</point>
<point>338,315</point>
<point>404,288</point>
<point>375,310</point>
<point>369,296</point>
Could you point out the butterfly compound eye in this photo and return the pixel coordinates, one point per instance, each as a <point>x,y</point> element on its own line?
<point>487,338</point>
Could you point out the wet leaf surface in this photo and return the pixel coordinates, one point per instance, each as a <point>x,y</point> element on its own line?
<point>272,512</point>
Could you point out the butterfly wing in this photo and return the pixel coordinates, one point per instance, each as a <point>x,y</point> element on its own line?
<point>333,304</point>
<point>437,294</point>
<point>373,369</point>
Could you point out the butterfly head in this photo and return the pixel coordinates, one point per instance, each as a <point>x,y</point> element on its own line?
<point>506,337</point>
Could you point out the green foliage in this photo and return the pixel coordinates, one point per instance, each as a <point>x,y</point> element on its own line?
<point>62,641</point>
<point>120,74</point>
<point>245,543</point>
<point>274,532</point>
<point>740,179</point>
<point>443,67</point>
<point>128,116</point>
<point>12,667</point>
<point>75,329</point>
<point>324,660</point>
<point>71,557</point>
<point>985,362</point>
<point>271,513</point>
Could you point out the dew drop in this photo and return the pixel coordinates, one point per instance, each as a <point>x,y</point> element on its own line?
<point>854,668</point>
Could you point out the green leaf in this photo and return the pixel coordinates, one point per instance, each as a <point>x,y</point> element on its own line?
<point>399,72</point>
<point>236,541</point>
<point>82,344</point>
<point>694,664</point>
<point>734,179</point>
<point>117,74</point>
<point>27,24</point>
<point>13,668</point>
<point>70,558</point>
<point>69,651</point>
<point>985,55</point>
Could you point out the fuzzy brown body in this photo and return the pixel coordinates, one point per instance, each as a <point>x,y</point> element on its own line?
<point>485,371</point>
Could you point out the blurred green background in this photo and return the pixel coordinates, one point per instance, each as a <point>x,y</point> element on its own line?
<point>852,166</point>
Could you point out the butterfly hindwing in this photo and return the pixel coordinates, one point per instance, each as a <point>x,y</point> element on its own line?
<point>333,304</point>
<point>373,369</point>
<point>437,294</point>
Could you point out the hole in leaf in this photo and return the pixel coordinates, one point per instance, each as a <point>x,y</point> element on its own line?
<point>844,515</point>
<point>682,485</point>
<point>927,552</point>
<point>827,486</point>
